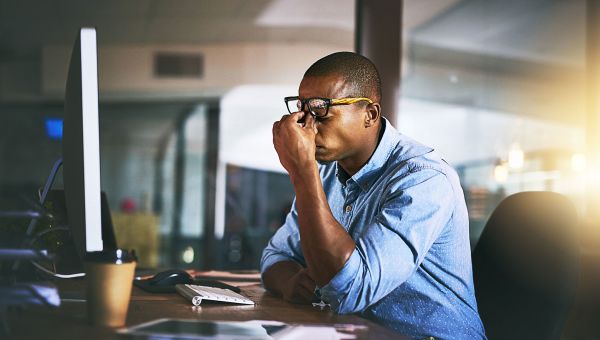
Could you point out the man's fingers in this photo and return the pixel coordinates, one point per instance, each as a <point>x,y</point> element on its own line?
<point>293,117</point>
<point>308,283</point>
<point>275,129</point>
<point>306,295</point>
<point>310,123</point>
<point>300,293</point>
<point>296,116</point>
<point>309,273</point>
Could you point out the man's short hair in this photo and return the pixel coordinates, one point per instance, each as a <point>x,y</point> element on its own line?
<point>358,71</point>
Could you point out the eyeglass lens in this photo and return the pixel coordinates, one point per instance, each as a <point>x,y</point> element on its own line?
<point>316,106</point>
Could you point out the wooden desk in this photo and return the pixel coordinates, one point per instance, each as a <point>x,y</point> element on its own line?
<point>69,320</point>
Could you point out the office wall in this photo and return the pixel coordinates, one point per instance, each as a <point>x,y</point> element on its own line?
<point>127,70</point>
<point>27,153</point>
<point>20,79</point>
<point>129,137</point>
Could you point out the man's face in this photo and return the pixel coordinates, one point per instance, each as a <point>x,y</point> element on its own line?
<point>341,134</point>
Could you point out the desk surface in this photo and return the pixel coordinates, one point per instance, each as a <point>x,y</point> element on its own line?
<point>69,320</point>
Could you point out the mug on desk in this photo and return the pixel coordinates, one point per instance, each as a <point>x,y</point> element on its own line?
<point>109,277</point>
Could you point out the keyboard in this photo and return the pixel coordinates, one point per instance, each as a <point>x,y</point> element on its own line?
<point>196,294</point>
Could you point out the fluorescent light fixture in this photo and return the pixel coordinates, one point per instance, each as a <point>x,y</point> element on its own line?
<point>308,13</point>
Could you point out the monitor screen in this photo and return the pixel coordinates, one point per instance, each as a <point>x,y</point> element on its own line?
<point>81,145</point>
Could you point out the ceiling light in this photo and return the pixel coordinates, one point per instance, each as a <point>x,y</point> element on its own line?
<point>516,157</point>
<point>501,173</point>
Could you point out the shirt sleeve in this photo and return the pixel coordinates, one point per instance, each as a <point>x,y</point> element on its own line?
<point>414,211</point>
<point>285,244</point>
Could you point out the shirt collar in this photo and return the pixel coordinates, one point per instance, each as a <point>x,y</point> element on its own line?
<point>388,143</point>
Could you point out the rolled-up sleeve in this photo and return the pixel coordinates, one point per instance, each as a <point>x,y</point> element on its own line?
<point>414,211</point>
<point>285,244</point>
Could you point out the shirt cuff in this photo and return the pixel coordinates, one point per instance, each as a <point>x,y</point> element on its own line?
<point>339,286</point>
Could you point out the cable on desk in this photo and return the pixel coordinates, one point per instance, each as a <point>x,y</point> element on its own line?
<point>40,267</point>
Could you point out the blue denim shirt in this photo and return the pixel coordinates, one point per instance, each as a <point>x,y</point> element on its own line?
<point>411,268</point>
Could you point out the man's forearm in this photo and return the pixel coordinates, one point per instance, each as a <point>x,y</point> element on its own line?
<point>278,275</point>
<point>325,243</point>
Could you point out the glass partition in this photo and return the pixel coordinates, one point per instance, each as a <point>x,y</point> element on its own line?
<point>498,87</point>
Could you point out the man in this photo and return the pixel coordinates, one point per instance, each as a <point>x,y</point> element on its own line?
<point>380,228</point>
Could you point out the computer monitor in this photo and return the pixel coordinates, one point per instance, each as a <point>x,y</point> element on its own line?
<point>81,146</point>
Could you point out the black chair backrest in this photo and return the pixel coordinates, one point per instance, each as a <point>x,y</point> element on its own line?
<point>526,266</point>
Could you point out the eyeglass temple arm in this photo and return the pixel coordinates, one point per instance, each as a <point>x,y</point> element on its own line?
<point>350,100</point>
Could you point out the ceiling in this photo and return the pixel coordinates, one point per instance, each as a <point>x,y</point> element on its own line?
<point>547,30</point>
<point>550,31</point>
<point>27,25</point>
<point>487,53</point>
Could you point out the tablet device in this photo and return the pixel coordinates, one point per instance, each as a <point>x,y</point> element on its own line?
<point>200,329</point>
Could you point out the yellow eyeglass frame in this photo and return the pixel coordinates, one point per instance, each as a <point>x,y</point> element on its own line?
<point>327,101</point>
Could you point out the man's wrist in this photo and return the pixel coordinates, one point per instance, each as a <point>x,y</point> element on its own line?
<point>305,174</point>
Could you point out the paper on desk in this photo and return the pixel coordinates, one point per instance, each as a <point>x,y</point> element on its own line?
<point>311,332</point>
<point>232,330</point>
<point>224,275</point>
<point>301,332</point>
<point>197,329</point>
<point>240,284</point>
<point>234,279</point>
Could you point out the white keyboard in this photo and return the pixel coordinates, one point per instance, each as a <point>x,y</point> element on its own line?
<point>196,294</point>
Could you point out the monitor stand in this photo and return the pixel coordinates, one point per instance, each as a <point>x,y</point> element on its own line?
<point>108,235</point>
<point>44,194</point>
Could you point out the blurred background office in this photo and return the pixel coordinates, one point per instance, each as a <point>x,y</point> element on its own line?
<point>189,90</point>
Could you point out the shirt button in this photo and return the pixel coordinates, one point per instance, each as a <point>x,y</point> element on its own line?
<point>348,208</point>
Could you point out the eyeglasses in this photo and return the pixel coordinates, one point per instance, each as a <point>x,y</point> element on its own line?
<point>318,107</point>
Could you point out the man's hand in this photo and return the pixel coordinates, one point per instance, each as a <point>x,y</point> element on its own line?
<point>294,141</point>
<point>299,288</point>
<point>291,281</point>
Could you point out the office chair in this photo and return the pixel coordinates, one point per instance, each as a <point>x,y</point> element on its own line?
<point>526,266</point>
